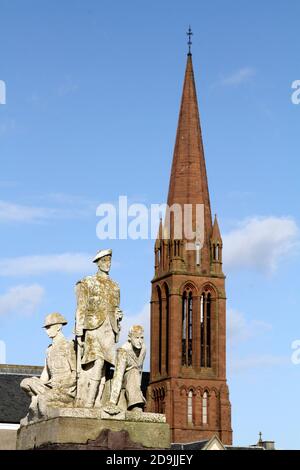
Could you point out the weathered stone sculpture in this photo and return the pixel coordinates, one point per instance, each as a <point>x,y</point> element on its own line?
<point>126,393</point>
<point>57,384</point>
<point>98,319</point>
<point>73,406</point>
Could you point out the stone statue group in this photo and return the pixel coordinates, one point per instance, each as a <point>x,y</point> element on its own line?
<point>76,372</point>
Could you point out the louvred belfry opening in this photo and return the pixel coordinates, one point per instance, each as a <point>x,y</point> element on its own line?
<point>188,302</point>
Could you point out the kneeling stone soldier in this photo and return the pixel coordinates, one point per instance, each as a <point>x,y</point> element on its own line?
<point>126,393</point>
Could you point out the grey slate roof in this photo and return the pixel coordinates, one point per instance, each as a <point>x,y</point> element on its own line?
<point>244,448</point>
<point>198,445</point>
<point>14,402</point>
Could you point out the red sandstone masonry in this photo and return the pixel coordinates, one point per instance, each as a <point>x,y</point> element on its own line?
<point>168,389</point>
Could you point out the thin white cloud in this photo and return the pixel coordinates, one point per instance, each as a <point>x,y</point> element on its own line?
<point>240,329</point>
<point>21,299</point>
<point>257,362</point>
<point>43,264</point>
<point>260,243</point>
<point>64,263</point>
<point>12,212</point>
<point>69,199</point>
<point>239,77</point>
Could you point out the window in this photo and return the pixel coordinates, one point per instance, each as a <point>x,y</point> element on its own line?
<point>202,356</point>
<point>176,247</point>
<point>208,335</point>
<point>187,328</point>
<point>184,315</point>
<point>198,247</point>
<point>160,330</point>
<point>216,252</point>
<point>158,257</point>
<point>167,327</point>
<point>205,329</point>
<point>190,329</point>
<point>190,408</point>
<point>204,408</point>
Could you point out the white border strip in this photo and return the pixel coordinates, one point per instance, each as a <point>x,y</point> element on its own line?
<point>7,426</point>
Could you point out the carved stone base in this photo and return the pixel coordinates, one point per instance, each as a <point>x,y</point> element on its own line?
<point>82,433</point>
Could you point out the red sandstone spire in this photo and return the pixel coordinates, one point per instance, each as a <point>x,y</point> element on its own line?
<point>188,300</point>
<point>188,182</point>
<point>216,235</point>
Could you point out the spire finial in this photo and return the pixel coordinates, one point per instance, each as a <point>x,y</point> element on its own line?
<point>190,34</point>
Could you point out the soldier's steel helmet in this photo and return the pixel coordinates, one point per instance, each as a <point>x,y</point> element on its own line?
<point>54,318</point>
<point>101,254</point>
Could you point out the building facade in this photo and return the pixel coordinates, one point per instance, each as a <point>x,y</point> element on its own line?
<point>188,301</point>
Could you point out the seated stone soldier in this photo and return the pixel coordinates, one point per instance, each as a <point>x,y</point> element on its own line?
<point>57,384</point>
<point>127,378</point>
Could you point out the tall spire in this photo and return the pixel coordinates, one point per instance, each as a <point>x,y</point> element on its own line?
<point>216,234</point>
<point>188,299</point>
<point>188,182</point>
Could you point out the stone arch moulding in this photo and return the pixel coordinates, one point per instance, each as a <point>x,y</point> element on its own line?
<point>209,288</point>
<point>188,285</point>
<point>183,390</point>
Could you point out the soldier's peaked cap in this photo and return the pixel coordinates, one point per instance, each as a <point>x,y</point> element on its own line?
<point>101,254</point>
<point>54,318</point>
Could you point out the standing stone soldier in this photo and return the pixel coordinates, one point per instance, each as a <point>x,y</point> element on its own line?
<point>127,378</point>
<point>57,383</point>
<point>98,317</point>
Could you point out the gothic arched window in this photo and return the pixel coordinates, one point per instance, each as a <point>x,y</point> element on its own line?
<point>208,330</point>
<point>204,408</point>
<point>206,304</point>
<point>158,256</point>
<point>183,341</point>
<point>190,408</point>
<point>167,319</point>
<point>202,300</point>
<point>190,329</point>
<point>187,328</point>
<point>160,330</point>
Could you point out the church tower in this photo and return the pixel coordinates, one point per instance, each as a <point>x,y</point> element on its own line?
<point>188,301</point>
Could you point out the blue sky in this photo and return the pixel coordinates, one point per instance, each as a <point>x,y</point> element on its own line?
<point>93,92</point>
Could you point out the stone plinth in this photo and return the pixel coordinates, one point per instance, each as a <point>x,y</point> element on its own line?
<point>92,429</point>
